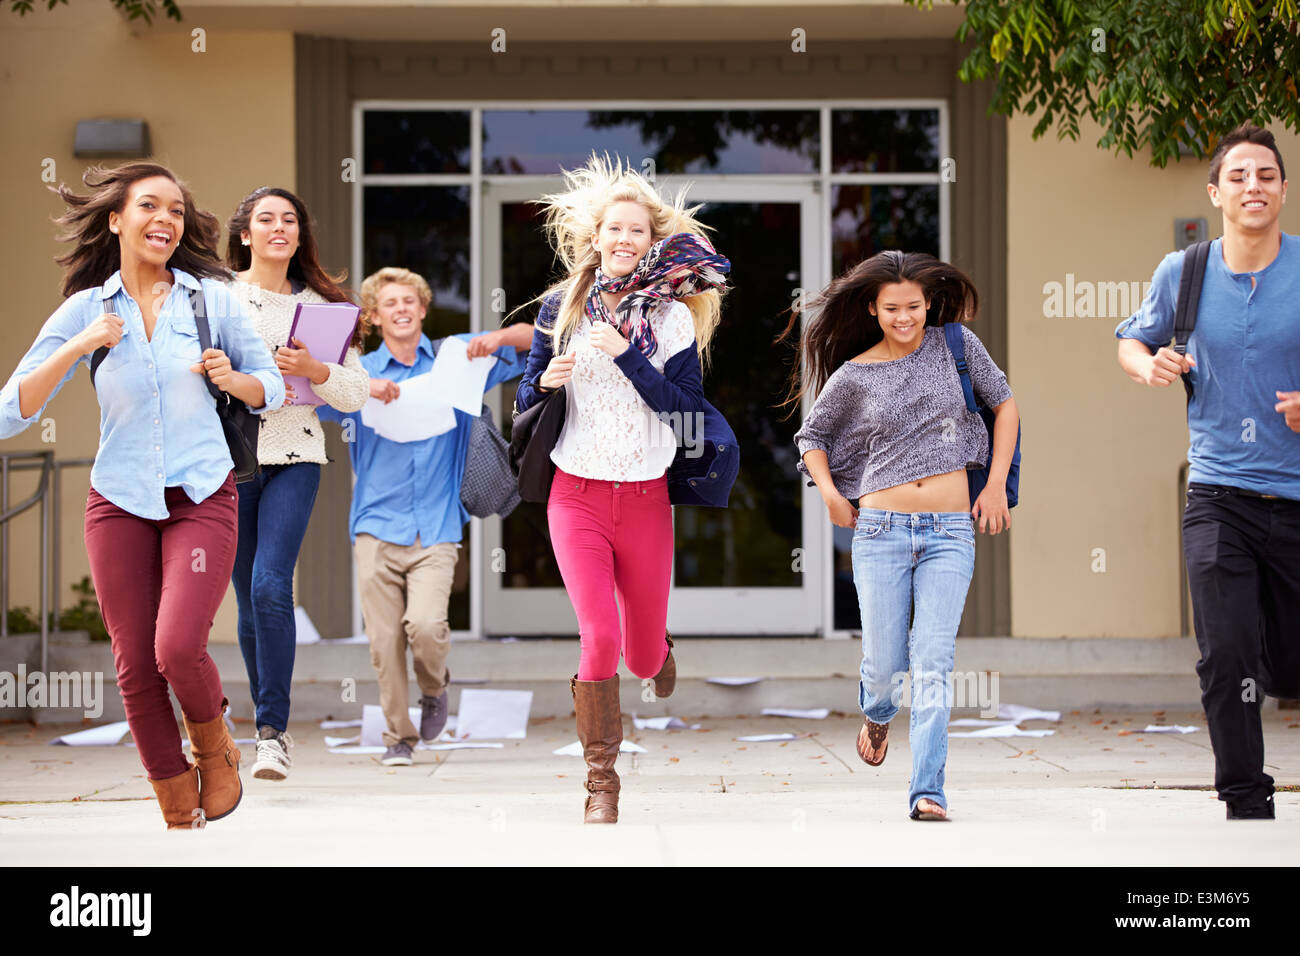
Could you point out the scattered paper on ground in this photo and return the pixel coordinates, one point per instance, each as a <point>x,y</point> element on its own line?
<point>338,724</point>
<point>304,628</point>
<point>493,714</point>
<point>341,741</point>
<point>106,735</point>
<point>575,749</point>
<point>1017,713</point>
<point>764,738</point>
<point>816,713</point>
<point>979,722</point>
<point>1169,729</point>
<point>662,723</point>
<point>733,681</point>
<point>458,380</point>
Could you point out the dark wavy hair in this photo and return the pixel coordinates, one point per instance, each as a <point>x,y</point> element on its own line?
<point>1245,133</point>
<point>304,266</point>
<point>97,253</point>
<point>843,326</point>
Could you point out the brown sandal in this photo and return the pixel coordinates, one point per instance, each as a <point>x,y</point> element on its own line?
<point>933,814</point>
<point>877,734</point>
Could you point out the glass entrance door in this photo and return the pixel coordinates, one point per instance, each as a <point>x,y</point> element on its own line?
<point>758,566</point>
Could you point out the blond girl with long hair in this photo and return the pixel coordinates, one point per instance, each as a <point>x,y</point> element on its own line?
<point>625,333</point>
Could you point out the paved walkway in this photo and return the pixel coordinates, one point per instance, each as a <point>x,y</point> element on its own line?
<point>1096,792</point>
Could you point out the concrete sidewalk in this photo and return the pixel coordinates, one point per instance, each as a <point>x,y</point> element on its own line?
<point>1098,791</point>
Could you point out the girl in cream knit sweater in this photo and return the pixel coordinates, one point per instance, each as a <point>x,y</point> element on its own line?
<point>273,254</point>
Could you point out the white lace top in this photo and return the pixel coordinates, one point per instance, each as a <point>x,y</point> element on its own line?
<point>610,433</point>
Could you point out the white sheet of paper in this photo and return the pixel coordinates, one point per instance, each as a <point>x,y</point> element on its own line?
<point>341,741</point>
<point>1169,729</point>
<point>575,749</point>
<point>416,413</point>
<point>1017,713</point>
<point>733,681</point>
<point>662,723</point>
<point>306,630</point>
<point>458,380</point>
<point>460,745</point>
<point>358,749</point>
<point>493,714</point>
<point>338,724</point>
<point>105,735</point>
<point>764,738</point>
<point>816,713</point>
<point>1003,730</point>
<point>978,722</point>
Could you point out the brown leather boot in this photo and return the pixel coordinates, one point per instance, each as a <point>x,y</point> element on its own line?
<point>600,729</point>
<point>666,679</point>
<point>220,788</point>
<point>178,798</point>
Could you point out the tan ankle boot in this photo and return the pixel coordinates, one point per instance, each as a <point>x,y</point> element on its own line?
<point>220,788</point>
<point>178,798</point>
<point>600,729</point>
<point>666,679</point>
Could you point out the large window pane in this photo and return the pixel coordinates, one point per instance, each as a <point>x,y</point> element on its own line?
<point>885,141</point>
<point>409,141</point>
<point>866,219</point>
<point>542,142</point>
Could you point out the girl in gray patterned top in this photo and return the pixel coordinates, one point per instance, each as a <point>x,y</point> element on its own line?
<point>888,443</point>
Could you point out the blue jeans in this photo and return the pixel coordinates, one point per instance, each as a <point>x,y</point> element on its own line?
<point>273,512</point>
<point>918,566</point>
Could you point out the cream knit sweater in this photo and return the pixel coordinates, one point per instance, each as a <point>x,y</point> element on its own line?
<point>292,433</point>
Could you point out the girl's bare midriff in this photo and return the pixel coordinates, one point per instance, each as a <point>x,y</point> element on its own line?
<point>948,492</point>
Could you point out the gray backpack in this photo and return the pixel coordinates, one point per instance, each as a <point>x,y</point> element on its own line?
<point>489,486</point>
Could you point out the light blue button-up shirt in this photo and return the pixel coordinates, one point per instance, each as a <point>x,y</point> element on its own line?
<point>158,423</point>
<point>1246,344</point>
<point>405,489</point>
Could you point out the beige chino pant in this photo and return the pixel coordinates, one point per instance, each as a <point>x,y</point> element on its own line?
<point>404,594</point>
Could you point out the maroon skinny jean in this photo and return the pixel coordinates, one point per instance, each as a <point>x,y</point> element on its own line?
<point>159,584</point>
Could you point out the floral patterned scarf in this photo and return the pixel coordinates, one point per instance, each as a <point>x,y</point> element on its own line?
<point>680,265</point>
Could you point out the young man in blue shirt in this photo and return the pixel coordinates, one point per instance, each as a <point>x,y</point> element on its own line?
<point>407,521</point>
<point>1241,526</point>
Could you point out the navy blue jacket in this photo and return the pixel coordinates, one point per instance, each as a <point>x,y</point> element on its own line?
<point>704,479</point>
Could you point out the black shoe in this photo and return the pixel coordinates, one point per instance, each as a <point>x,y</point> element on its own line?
<point>433,717</point>
<point>1253,811</point>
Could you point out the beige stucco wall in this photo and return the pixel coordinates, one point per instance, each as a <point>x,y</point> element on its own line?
<point>222,119</point>
<point>1101,454</point>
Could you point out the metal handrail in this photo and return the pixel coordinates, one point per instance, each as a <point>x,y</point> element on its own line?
<point>24,462</point>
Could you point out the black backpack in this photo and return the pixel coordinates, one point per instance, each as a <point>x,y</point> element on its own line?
<point>1195,258</point>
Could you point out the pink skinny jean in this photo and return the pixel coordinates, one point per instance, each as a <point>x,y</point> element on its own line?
<point>613,542</point>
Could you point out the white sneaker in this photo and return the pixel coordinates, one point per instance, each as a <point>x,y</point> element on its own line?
<point>273,760</point>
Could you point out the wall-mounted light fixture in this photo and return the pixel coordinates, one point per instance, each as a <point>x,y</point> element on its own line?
<point>111,139</point>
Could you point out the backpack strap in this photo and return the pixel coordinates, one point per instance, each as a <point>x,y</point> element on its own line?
<point>1195,258</point>
<point>96,360</point>
<point>952,333</point>
<point>199,303</point>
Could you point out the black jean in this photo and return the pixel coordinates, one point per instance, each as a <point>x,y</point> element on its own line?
<point>1243,566</point>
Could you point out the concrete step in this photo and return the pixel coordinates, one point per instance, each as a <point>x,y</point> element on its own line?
<point>335,680</point>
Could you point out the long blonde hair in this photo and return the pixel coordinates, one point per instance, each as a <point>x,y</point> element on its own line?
<point>573,217</point>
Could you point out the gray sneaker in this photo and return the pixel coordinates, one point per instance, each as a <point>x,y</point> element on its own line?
<point>398,755</point>
<point>433,717</point>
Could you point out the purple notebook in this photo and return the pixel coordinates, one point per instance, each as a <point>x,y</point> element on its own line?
<point>326,329</point>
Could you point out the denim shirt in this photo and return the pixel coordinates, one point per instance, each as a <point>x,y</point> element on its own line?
<point>158,424</point>
<point>410,490</point>
<point>1245,348</point>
